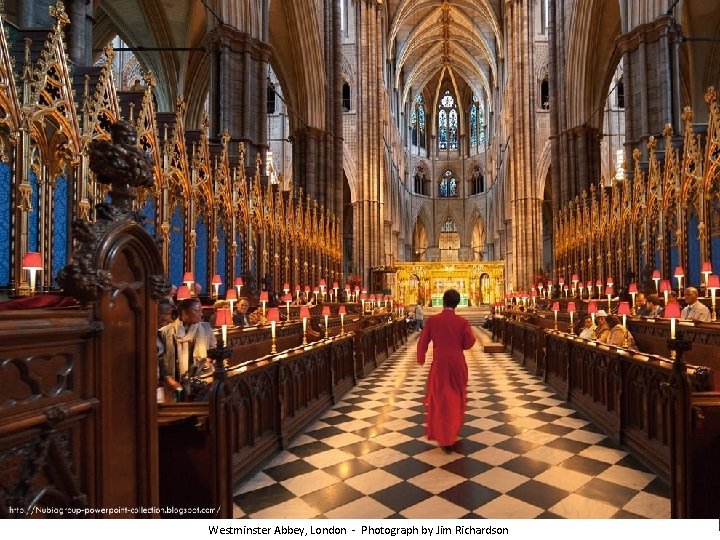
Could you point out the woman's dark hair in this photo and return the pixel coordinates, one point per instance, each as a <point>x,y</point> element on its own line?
<point>451,298</point>
<point>187,304</point>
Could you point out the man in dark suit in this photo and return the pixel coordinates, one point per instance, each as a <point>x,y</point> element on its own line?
<point>447,381</point>
<point>241,317</point>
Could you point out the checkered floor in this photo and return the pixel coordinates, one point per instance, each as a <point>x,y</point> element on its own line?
<point>523,453</point>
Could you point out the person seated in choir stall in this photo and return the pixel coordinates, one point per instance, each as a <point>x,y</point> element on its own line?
<point>241,317</point>
<point>618,334</point>
<point>602,330</point>
<point>654,305</point>
<point>165,316</point>
<point>172,294</point>
<point>642,308</point>
<point>588,331</point>
<point>220,304</point>
<point>694,309</point>
<point>186,342</point>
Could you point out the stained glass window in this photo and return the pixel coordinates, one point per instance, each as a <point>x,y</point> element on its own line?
<point>34,217</point>
<point>447,123</point>
<point>5,186</point>
<point>448,185</point>
<point>473,125</point>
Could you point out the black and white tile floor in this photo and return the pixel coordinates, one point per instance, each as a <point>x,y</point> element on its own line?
<point>523,453</point>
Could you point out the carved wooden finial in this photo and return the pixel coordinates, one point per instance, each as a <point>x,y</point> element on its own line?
<point>710,95</point>
<point>58,13</point>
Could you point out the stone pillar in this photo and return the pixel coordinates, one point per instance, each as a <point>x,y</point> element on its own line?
<point>238,89</point>
<point>26,15</point>
<point>650,76</point>
<point>79,32</point>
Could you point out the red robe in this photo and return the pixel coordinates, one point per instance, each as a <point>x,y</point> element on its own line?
<point>447,382</point>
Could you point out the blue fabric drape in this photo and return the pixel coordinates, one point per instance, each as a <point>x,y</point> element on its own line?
<point>201,253</point>
<point>5,216</point>
<point>177,245</point>
<point>59,225</point>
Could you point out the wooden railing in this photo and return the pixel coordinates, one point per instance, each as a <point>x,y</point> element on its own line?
<point>207,449</point>
<point>664,411</point>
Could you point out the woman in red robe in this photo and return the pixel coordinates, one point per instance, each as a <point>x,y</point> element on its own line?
<point>447,382</point>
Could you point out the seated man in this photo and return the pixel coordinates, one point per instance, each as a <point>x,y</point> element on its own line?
<point>654,306</point>
<point>588,331</point>
<point>642,308</point>
<point>694,309</point>
<point>185,343</point>
<point>241,316</point>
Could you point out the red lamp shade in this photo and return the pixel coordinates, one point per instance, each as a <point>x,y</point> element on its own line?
<point>713,282</point>
<point>297,288</point>
<point>216,280</point>
<point>341,310</point>
<point>307,288</point>
<point>223,317</point>
<point>575,278</point>
<point>347,288</point>
<point>304,312</point>
<point>598,283</point>
<point>556,306</point>
<point>231,294</point>
<point>541,286</point>
<point>549,284</point>
<point>679,272</point>
<point>326,310</point>
<point>273,314</point>
<point>534,293</point>
<point>706,268</point>
<point>561,281</point>
<point>672,311</point>
<point>610,282</point>
<point>571,307</point>
<point>592,307</point>
<point>363,296</point>
<point>624,308</point>
<point>316,290</point>
<point>321,283</point>
<point>656,274</point>
<point>32,261</point>
<point>665,285</point>
<point>589,284</point>
<point>264,296</point>
<point>286,286</point>
<point>188,276</point>
<point>632,289</point>
<point>565,287</point>
<point>239,282</point>
<point>335,285</point>
<point>609,290</point>
<point>287,298</point>
<point>183,293</point>
<point>371,297</point>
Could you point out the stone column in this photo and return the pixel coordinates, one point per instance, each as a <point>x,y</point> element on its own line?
<point>238,90</point>
<point>650,76</point>
<point>79,31</point>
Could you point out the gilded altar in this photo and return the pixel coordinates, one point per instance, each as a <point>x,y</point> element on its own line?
<point>478,282</point>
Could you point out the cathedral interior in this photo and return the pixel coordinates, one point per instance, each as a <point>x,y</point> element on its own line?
<point>545,158</point>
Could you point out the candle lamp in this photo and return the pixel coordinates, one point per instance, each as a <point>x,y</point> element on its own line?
<point>274,318</point>
<point>216,281</point>
<point>679,275</point>
<point>571,311</point>
<point>223,319</point>
<point>609,293</point>
<point>304,315</point>
<point>589,287</point>
<point>713,284</point>
<point>238,283</point>
<point>592,310</point>
<point>575,280</point>
<point>706,270</point>
<point>556,308</point>
<point>189,279</point>
<point>183,293</point>
<point>665,289</point>
<point>335,290</point>
<point>549,288</point>
<point>565,290</point>
<point>322,285</point>
<point>316,291</point>
<point>598,284</point>
<point>287,298</point>
<point>348,290</point>
<point>32,262</point>
<point>341,312</point>
<point>633,290</point>
<point>326,314</point>
<point>672,312</point>
<point>624,310</point>
<point>610,282</point>
<point>656,277</point>
<point>263,300</point>
<point>286,287</point>
<point>297,293</point>
<point>232,297</point>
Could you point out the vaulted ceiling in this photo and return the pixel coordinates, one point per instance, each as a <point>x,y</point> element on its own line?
<point>431,41</point>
